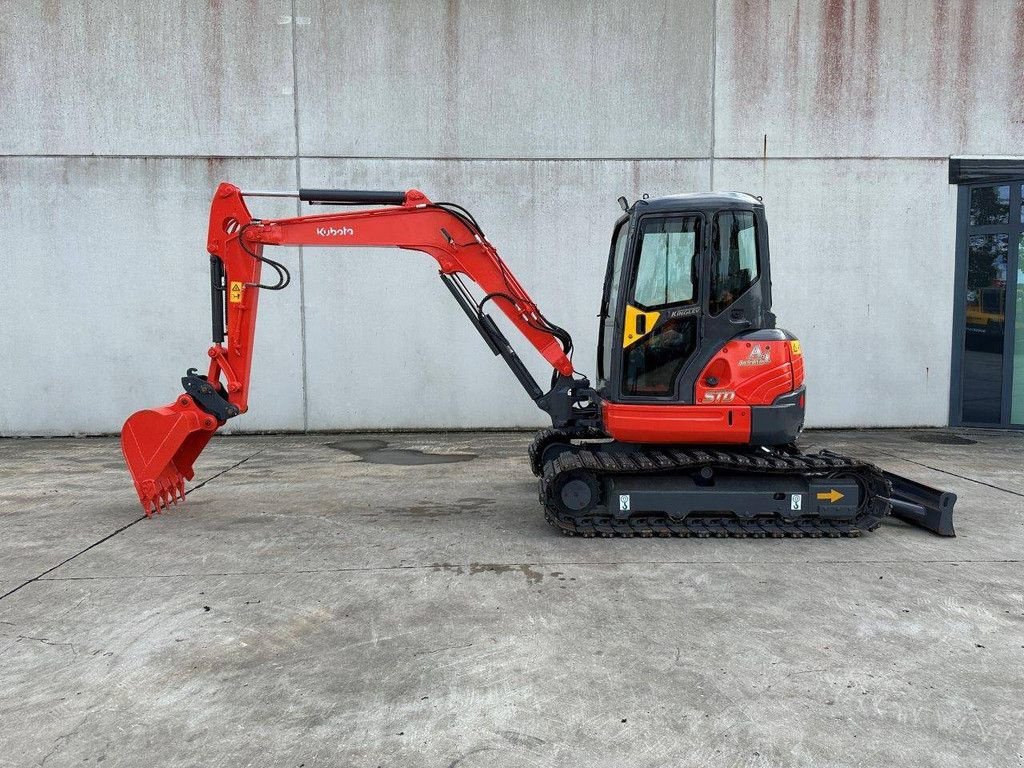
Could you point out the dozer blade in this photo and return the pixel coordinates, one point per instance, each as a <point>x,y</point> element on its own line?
<point>160,445</point>
<point>922,505</point>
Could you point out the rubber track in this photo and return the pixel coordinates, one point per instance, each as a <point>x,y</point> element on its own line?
<point>602,463</point>
<point>548,437</point>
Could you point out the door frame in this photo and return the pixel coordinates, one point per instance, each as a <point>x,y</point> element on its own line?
<point>969,173</point>
<point>627,281</point>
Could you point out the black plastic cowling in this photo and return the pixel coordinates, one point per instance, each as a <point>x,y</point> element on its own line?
<point>351,197</point>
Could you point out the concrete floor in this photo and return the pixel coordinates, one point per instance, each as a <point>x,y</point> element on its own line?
<point>309,606</point>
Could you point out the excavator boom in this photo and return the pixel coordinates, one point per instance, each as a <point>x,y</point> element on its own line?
<point>160,445</point>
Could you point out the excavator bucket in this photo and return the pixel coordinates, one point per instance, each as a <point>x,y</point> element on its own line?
<point>160,445</point>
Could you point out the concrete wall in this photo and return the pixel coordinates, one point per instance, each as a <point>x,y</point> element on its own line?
<point>117,120</point>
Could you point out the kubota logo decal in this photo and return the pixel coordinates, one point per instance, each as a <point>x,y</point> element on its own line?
<point>758,356</point>
<point>332,232</point>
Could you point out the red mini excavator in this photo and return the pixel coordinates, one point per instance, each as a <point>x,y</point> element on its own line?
<point>690,427</point>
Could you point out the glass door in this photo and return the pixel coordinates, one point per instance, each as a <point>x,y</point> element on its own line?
<point>991,307</point>
<point>661,314</point>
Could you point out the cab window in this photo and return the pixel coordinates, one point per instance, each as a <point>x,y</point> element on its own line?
<point>734,262</point>
<point>665,272</point>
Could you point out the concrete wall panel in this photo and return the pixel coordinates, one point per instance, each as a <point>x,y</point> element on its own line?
<point>879,78</point>
<point>862,272</point>
<point>521,111</point>
<point>386,344</point>
<point>105,294</point>
<point>133,77</point>
<point>488,78</point>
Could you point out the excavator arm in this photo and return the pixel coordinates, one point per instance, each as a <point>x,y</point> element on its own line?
<point>160,445</point>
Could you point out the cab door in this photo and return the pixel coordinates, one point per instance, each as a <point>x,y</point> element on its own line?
<point>661,305</point>
<point>607,345</point>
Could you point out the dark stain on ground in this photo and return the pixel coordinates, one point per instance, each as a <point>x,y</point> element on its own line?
<point>358,444</point>
<point>942,438</point>
<point>532,576</point>
<point>377,452</point>
<point>432,510</point>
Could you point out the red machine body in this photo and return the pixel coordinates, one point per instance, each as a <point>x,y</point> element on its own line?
<point>721,414</point>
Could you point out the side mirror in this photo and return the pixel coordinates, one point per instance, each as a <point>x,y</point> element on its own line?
<point>623,203</point>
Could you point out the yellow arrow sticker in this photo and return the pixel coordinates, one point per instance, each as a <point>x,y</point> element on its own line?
<point>832,496</point>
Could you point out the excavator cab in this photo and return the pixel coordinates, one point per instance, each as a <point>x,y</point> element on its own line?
<point>686,321</point>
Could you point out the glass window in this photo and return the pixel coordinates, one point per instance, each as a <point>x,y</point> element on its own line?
<point>985,312</point>
<point>666,271</point>
<point>734,264</point>
<point>612,303</point>
<point>616,276</point>
<point>990,205</point>
<point>652,364</point>
<point>665,275</point>
<point>1017,396</point>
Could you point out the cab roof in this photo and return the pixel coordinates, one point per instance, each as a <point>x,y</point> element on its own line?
<point>699,201</point>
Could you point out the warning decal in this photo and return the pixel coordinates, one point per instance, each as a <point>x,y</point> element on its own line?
<point>235,294</point>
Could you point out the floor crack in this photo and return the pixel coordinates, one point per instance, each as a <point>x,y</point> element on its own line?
<point>123,528</point>
<point>48,641</point>
<point>951,474</point>
<point>60,740</point>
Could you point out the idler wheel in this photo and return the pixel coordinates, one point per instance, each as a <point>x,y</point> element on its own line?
<point>577,493</point>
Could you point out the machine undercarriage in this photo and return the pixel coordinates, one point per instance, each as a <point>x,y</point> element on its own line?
<point>594,487</point>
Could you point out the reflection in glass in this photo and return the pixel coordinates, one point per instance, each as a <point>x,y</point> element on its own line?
<point>1017,396</point>
<point>990,205</point>
<point>665,274</point>
<point>985,315</point>
<point>733,257</point>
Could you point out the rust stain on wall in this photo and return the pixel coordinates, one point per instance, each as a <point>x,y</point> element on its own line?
<point>51,11</point>
<point>832,60</point>
<point>449,133</point>
<point>869,100</point>
<point>1017,64</point>
<point>965,52</point>
<point>793,47</point>
<point>752,21</point>
<point>939,58</point>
